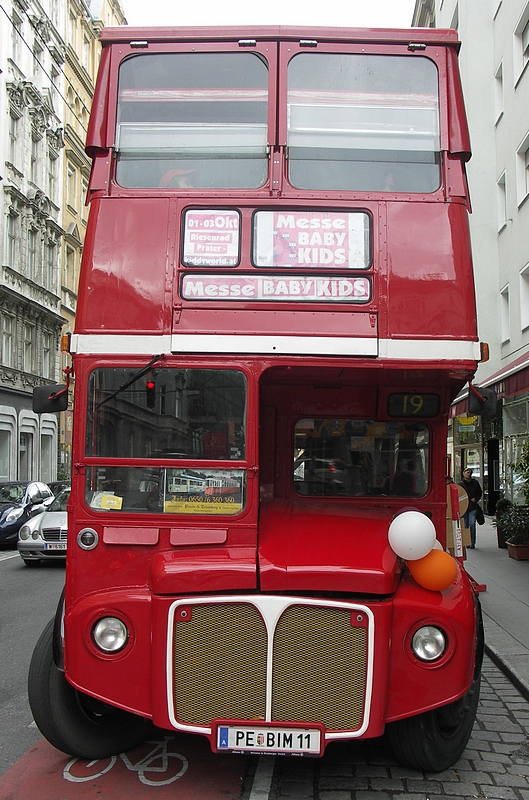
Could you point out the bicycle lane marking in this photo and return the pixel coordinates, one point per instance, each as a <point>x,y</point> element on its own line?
<point>138,775</point>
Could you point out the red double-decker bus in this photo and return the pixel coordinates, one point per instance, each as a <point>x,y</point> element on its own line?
<point>276,309</point>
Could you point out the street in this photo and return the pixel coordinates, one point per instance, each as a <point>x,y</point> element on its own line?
<point>495,764</point>
<point>28,601</point>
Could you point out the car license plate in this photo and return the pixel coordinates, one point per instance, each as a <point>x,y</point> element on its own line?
<point>264,739</point>
<point>55,545</point>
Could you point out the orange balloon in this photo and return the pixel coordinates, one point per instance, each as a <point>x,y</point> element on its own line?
<point>436,571</point>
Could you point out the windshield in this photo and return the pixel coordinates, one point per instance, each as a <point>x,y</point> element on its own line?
<point>166,413</point>
<point>192,120</point>
<point>363,122</point>
<point>13,493</point>
<point>355,457</point>
<point>193,415</point>
<point>60,502</point>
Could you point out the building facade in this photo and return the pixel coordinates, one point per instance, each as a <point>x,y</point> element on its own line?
<point>48,61</point>
<point>494,63</point>
<point>84,22</point>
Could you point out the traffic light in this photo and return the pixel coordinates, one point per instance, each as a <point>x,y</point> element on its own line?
<point>150,392</point>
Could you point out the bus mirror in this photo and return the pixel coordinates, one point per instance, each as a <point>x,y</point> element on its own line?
<point>483,402</point>
<point>50,399</point>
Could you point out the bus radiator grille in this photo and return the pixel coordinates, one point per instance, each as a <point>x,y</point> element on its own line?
<point>220,664</point>
<point>318,671</point>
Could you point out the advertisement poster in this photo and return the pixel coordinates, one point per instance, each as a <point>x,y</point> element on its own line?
<point>301,239</point>
<point>298,288</point>
<point>211,238</point>
<point>207,491</point>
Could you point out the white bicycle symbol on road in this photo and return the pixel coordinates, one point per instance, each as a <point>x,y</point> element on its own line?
<point>156,762</point>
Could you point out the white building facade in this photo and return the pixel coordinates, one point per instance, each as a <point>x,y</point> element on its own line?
<point>31,89</point>
<point>494,64</point>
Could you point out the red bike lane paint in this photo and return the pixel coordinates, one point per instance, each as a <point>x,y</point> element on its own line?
<point>165,766</point>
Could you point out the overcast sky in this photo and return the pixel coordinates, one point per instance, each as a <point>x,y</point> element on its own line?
<point>332,13</point>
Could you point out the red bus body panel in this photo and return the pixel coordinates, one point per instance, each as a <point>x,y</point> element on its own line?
<point>416,334</point>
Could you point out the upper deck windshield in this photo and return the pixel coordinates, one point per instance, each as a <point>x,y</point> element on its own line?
<point>192,120</point>
<point>363,122</point>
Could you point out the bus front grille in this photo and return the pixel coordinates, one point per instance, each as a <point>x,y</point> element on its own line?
<point>317,672</point>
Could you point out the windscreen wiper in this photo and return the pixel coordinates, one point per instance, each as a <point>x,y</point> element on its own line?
<point>137,375</point>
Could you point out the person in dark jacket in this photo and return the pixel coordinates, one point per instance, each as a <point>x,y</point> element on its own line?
<point>474,492</point>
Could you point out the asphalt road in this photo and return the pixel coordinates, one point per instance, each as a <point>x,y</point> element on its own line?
<point>28,599</point>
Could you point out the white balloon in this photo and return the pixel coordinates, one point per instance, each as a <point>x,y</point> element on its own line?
<point>437,545</point>
<point>412,535</point>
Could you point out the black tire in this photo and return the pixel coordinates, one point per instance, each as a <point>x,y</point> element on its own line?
<point>435,740</point>
<point>72,721</point>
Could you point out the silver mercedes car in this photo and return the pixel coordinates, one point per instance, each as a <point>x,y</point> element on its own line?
<point>43,538</point>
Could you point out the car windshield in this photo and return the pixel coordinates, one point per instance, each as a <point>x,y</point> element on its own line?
<point>12,493</point>
<point>60,502</point>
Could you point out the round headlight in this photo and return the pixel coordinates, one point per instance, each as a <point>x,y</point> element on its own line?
<point>428,643</point>
<point>35,534</point>
<point>24,532</point>
<point>110,634</point>
<point>14,514</point>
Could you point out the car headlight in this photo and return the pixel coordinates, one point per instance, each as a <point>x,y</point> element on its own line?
<point>14,514</point>
<point>35,534</point>
<point>428,643</point>
<point>110,634</point>
<point>24,532</point>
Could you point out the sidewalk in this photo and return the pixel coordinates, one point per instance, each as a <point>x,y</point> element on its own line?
<point>505,605</point>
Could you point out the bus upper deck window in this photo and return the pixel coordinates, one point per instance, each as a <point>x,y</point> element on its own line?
<point>192,120</point>
<point>363,123</point>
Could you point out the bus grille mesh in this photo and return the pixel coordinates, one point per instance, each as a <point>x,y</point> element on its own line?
<point>319,668</point>
<point>220,664</point>
<point>318,672</point>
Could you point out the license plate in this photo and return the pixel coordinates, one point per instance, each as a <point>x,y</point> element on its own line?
<point>263,739</point>
<point>55,545</point>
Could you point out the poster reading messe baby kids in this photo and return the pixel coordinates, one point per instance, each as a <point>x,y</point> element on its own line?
<point>320,239</point>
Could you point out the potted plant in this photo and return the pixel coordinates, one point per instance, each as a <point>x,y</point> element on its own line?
<point>516,524</point>
<point>502,507</point>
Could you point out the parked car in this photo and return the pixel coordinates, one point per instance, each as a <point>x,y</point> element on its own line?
<point>18,503</point>
<point>43,538</point>
<point>58,486</point>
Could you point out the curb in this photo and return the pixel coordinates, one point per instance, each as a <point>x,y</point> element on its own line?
<point>508,671</point>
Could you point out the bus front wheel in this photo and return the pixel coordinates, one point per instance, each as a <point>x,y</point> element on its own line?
<point>435,740</point>
<point>71,721</point>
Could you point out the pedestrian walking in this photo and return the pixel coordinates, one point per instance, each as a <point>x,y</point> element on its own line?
<point>474,492</point>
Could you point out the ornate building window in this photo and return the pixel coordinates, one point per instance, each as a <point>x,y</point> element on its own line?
<point>29,348</point>
<point>8,338</point>
<point>32,254</point>
<point>12,238</point>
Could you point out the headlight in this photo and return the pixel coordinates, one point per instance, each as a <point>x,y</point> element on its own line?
<point>24,532</point>
<point>428,643</point>
<point>110,634</point>
<point>35,534</point>
<point>14,514</point>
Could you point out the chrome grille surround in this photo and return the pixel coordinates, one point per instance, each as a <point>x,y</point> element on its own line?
<point>272,659</point>
<point>54,534</point>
